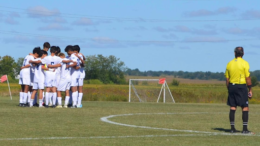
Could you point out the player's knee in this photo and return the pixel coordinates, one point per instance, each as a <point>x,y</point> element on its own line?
<point>245,108</point>
<point>233,108</point>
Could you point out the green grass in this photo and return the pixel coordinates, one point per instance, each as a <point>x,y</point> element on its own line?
<point>17,122</point>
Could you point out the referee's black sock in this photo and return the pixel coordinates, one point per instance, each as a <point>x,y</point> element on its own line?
<point>232,119</point>
<point>245,120</point>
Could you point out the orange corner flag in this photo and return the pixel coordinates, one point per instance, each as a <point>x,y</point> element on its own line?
<point>3,78</point>
<point>162,81</point>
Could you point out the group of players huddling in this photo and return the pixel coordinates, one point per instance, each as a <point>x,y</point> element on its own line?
<point>56,73</point>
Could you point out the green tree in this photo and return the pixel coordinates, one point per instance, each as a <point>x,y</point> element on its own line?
<point>19,64</point>
<point>7,66</point>
<point>106,69</point>
<point>175,82</point>
<point>254,81</point>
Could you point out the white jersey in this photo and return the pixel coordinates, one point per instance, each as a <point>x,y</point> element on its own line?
<point>82,69</point>
<point>74,72</point>
<point>38,71</point>
<point>51,60</point>
<point>25,73</point>
<point>65,72</point>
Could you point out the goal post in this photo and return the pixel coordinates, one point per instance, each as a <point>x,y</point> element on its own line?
<point>152,90</point>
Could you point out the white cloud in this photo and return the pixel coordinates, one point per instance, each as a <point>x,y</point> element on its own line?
<point>204,12</point>
<point>205,39</point>
<point>40,11</point>
<point>54,20</point>
<point>83,21</point>
<point>54,26</point>
<point>11,21</point>
<point>251,14</point>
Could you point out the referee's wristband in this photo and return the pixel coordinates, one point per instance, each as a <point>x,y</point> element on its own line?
<point>249,86</point>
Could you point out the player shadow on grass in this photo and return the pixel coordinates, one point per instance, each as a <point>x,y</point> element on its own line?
<point>221,129</point>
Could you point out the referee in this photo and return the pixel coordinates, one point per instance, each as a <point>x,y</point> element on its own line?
<point>239,87</point>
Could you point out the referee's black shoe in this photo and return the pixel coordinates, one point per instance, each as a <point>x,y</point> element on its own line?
<point>233,131</point>
<point>247,132</point>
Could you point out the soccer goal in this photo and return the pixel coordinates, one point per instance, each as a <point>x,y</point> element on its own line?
<point>149,90</point>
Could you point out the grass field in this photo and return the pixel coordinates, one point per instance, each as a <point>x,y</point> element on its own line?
<point>133,124</point>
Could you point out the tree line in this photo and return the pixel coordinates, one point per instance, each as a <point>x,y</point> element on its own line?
<point>110,69</point>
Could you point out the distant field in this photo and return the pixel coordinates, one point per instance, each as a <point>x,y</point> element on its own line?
<point>185,93</point>
<point>127,124</point>
<point>182,81</point>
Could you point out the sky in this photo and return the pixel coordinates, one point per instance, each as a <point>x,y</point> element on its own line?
<point>172,35</point>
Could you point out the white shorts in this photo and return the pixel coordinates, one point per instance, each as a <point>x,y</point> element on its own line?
<point>64,84</point>
<point>38,85</point>
<point>50,82</point>
<point>25,81</point>
<point>74,82</point>
<point>81,81</point>
<point>56,81</point>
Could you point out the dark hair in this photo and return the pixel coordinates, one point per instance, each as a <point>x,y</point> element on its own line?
<point>53,49</point>
<point>44,52</point>
<point>76,48</point>
<point>69,48</point>
<point>239,52</point>
<point>57,49</point>
<point>37,50</point>
<point>46,45</point>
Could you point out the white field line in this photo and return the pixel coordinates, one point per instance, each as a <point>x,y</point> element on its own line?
<point>103,137</point>
<point>106,119</point>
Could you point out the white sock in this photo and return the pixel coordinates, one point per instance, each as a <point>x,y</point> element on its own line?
<point>67,98</point>
<point>80,98</point>
<point>47,98</point>
<point>74,98</point>
<point>40,102</point>
<point>25,98</point>
<point>59,101</point>
<point>31,102</point>
<point>21,97</point>
<point>54,98</point>
<point>29,96</point>
<point>35,98</point>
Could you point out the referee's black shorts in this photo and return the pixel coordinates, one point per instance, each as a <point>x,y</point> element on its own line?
<point>237,95</point>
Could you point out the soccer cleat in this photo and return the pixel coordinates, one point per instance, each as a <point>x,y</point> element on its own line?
<point>74,106</point>
<point>20,104</point>
<point>41,106</point>
<point>65,106</point>
<point>36,104</point>
<point>234,131</point>
<point>25,105</point>
<point>79,106</point>
<point>59,106</point>
<point>46,106</point>
<point>247,132</point>
<point>54,106</point>
<point>50,104</point>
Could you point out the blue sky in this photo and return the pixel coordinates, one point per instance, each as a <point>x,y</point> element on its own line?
<point>188,35</point>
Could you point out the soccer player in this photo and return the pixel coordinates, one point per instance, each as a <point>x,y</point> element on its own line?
<point>80,56</point>
<point>237,81</point>
<point>74,73</point>
<point>50,81</point>
<point>25,78</point>
<point>39,67</point>
<point>65,82</point>
<point>46,46</point>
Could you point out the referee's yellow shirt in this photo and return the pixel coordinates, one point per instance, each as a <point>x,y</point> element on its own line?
<point>237,71</point>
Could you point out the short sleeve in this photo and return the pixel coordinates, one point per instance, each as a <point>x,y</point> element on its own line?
<point>247,68</point>
<point>227,73</point>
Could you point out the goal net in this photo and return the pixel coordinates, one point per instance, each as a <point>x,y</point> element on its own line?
<point>149,90</point>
